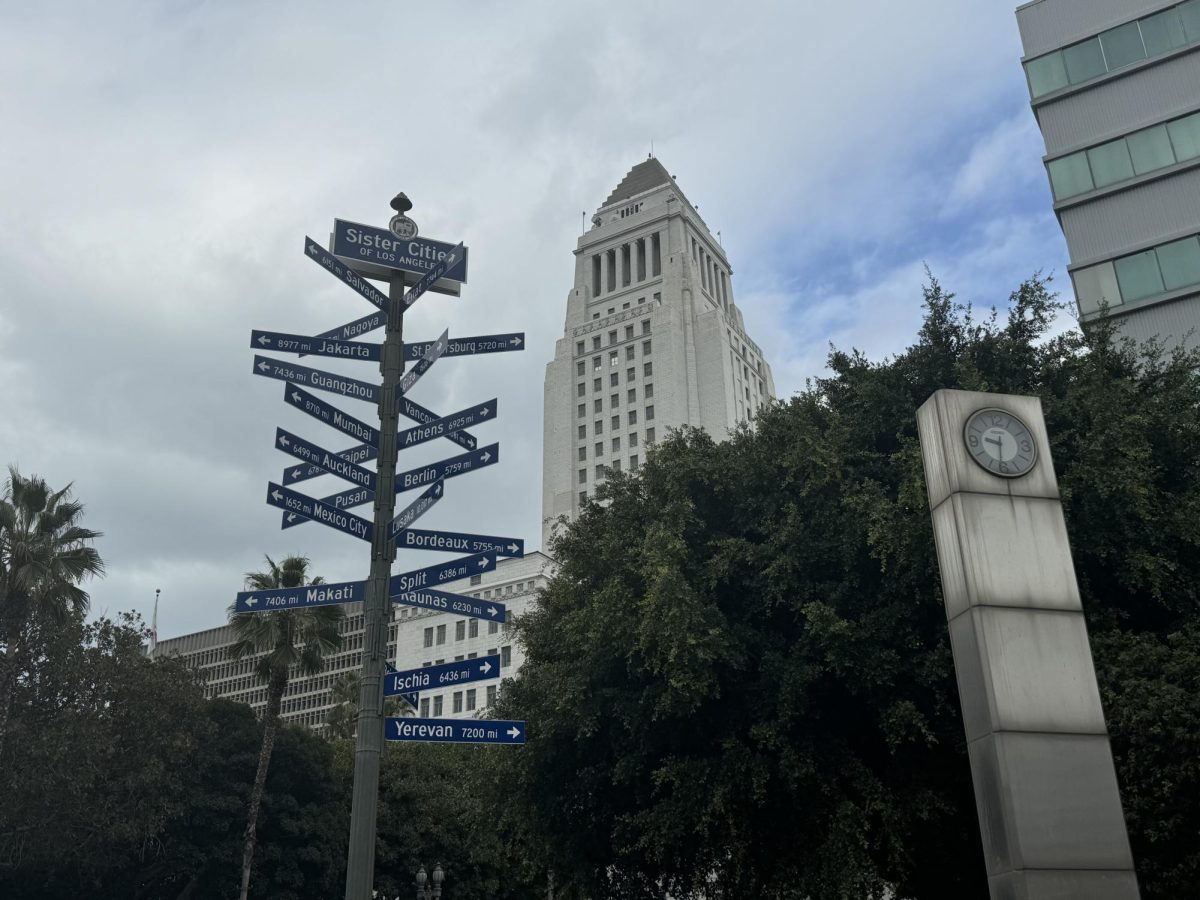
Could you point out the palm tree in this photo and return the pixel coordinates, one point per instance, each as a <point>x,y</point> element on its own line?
<point>298,638</point>
<point>341,720</point>
<point>44,555</point>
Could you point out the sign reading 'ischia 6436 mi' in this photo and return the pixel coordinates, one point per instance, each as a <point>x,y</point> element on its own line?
<point>366,244</point>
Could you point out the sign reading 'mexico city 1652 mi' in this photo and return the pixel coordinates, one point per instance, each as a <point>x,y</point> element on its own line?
<point>374,251</point>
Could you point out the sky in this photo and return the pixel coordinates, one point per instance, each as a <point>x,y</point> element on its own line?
<point>162,163</point>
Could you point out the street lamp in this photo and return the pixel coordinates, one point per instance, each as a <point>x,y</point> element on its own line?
<point>434,891</point>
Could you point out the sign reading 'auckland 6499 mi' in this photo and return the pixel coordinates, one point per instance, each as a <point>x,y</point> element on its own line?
<point>366,244</point>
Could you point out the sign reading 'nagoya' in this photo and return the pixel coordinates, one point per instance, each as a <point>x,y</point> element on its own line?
<point>378,246</point>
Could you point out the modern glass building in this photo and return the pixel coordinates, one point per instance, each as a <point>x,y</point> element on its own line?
<point>1115,87</point>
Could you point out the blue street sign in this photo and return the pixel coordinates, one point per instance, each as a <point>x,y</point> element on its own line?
<point>417,508</point>
<point>356,454</point>
<point>454,570</point>
<point>325,381</point>
<point>301,504</point>
<point>483,412</point>
<point>331,416</point>
<point>291,598</point>
<point>433,677</point>
<point>318,346</point>
<point>320,255</point>
<point>455,731</point>
<point>467,346</point>
<point>436,349</point>
<point>430,278</point>
<point>424,416</point>
<point>323,459</point>
<point>360,243</point>
<point>448,468</point>
<point>358,328</point>
<point>458,604</point>
<point>458,542</point>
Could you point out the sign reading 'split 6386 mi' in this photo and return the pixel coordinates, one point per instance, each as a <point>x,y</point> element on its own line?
<point>379,247</point>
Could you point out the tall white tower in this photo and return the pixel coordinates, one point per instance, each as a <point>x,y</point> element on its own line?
<point>653,340</point>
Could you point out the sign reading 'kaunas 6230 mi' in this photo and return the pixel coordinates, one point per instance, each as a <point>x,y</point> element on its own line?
<point>376,252</point>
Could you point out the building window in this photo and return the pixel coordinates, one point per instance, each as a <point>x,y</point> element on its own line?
<point>650,410</point>
<point>649,435</point>
<point>441,634</point>
<point>633,417</point>
<point>645,326</point>
<point>616,444</point>
<point>460,629</point>
<point>612,358</point>
<point>647,369</point>
<point>628,352</point>
<point>596,342</point>
<point>458,700</point>
<point>493,627</point>
<point>600,449</point>
<point>597,405</point>
<point>437,706</point>
<point>581,410</point>
<point>628,332</point>
<point>429,636</point>
<point>598,427</point>
<point>612,337</point>
<point>613,379</point>
<point>506,656</point>
<point>579,367</point>
<point>633,439</point>
<point>580,389</point>
<point>582,454</point>
<point>649,391</point>
<point>645,348</point>
<point>614,401</point>
<point>599,472</point>
<point>616,465</point>
<point>424,707</point>
<point>583,476</point>
<point>625,305</point>
<point>579,348</point>
<point>491,695</point>
<point>595,384</point>
<point>1114,49</point>
<point>470,699</point>
<point>631,396</point>
<point>582,499</point>
<point>630,374</point>
<point>595,364</point>
<point>633,462</point>
<point>616,422</point>
<point>582,432</point>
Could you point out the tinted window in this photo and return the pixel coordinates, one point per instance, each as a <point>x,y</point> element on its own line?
<point>1084,61</point>
<point>1180,263</point>
<point>1070,175</point>
<point>1138,276</point>
<point>1110,163</point>
<point>1150,149</point>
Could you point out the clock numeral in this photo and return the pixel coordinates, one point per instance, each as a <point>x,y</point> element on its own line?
<point>997,421</point>
<point>1004,468</point>
<point>973,440</point>
<point>1026,446</point>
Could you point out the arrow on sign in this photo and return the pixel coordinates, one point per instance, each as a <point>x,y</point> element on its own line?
<point>470,346</point>
<point>446,425</point>
<point>325,381</point>
<point>436,349</point>
<point>331,416</point>
<point>324,459</point>
<point>309,507</point>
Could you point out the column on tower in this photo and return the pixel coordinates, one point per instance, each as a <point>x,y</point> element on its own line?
<point>655,255</point>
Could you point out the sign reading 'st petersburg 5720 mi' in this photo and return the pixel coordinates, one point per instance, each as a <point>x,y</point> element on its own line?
<point>366,247</point>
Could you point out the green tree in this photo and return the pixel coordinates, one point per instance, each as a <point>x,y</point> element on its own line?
<point>739,681</point>
<point>45,553</point>
<point>283,640</point>
<point>342,720</point>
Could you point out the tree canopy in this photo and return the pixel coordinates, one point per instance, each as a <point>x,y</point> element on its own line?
<point>739,681</point>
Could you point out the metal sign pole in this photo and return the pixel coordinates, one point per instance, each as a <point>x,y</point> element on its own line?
<point>360,861</point>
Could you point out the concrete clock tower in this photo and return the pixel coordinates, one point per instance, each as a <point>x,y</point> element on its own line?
<point>1045,787</point>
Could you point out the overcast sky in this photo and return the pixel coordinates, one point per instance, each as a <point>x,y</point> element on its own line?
<point>162,162</point>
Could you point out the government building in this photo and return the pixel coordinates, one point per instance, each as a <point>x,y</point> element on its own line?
<point>653,340</point>
<point>1115,87</point>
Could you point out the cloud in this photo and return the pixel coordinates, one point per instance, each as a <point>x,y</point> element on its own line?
<point>170,159</point>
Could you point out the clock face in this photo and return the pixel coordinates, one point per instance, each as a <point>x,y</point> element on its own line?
<point>1000,442</point>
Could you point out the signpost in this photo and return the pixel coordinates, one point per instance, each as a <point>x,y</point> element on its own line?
<point>412,266</point>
